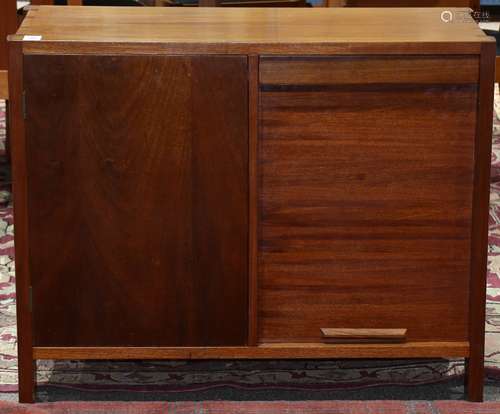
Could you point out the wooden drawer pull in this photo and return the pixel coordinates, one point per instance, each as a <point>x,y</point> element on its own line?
<point>340,335</point>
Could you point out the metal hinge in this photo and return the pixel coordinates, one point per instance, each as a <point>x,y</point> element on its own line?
<point>24,105</point>
<point>30,299</point>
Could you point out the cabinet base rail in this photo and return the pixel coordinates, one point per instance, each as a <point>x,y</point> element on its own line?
<point>263,351</point>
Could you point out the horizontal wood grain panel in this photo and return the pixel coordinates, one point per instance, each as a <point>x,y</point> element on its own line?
<point>365,211</point>
<point>264,351</point>
<point>250,25</point>
<point>368,70</point>
<point>255,30</point>
<point>177,48</point>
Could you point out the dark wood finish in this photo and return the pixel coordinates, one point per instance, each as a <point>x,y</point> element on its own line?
<point>20,190</point>
<point>141,188</point>
<point>338,336</point>
<point>264,351</point>
<point>372,70</point>
<point>355,194</point>
<point>253,188</point>
<point>479,240</point>
<point>112,48</point>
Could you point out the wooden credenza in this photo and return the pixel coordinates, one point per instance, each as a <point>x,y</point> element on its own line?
<point>237,183</point>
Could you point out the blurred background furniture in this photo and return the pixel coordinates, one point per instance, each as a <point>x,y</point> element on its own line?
<point>8,24</point>
<point>473,4</point>
<point>89,3</point>
<point>52,2</point>
<point>234,3</point>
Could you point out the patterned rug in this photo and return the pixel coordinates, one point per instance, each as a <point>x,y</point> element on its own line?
<point>178,376</point>
<point>261,407</point>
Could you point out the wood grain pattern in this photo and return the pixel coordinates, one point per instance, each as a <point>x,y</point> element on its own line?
<point>366,220</point>
<point>253,189</point>
<point>479,234</point>
<point>20,192</point>
<point>264,351</point>
<point>200,206</point>
<point>142,189</point>
<point>253,31</point>
<point>315,49</point>
<point>368,70</point>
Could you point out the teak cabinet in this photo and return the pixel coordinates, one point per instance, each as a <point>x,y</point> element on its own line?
<point>250,183</point>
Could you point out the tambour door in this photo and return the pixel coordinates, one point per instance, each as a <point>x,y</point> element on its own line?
<point>137,197</point>
<point>365,205</point>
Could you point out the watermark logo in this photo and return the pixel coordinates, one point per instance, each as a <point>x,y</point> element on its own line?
<point>447,16</point>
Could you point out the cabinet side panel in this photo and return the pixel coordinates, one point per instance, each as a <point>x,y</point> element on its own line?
<point>479,242</point>
<point>365,208</point>
<point>20,191</point>
<point>138,189</point>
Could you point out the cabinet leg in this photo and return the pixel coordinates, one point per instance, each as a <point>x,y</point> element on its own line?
<point>474,379</point>
<point>26,380</point>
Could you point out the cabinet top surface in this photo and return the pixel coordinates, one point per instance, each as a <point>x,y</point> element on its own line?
<point>286,27</point>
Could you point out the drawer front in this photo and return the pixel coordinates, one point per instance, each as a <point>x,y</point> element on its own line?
<point>275,71</point>
<point>365,202</point>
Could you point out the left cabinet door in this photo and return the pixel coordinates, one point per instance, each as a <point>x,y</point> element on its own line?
<point>137,199</point>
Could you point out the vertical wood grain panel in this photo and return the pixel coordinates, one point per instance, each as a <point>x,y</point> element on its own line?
<point>139,182</point>
<point>253,225</point>
<point>21,202</point>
